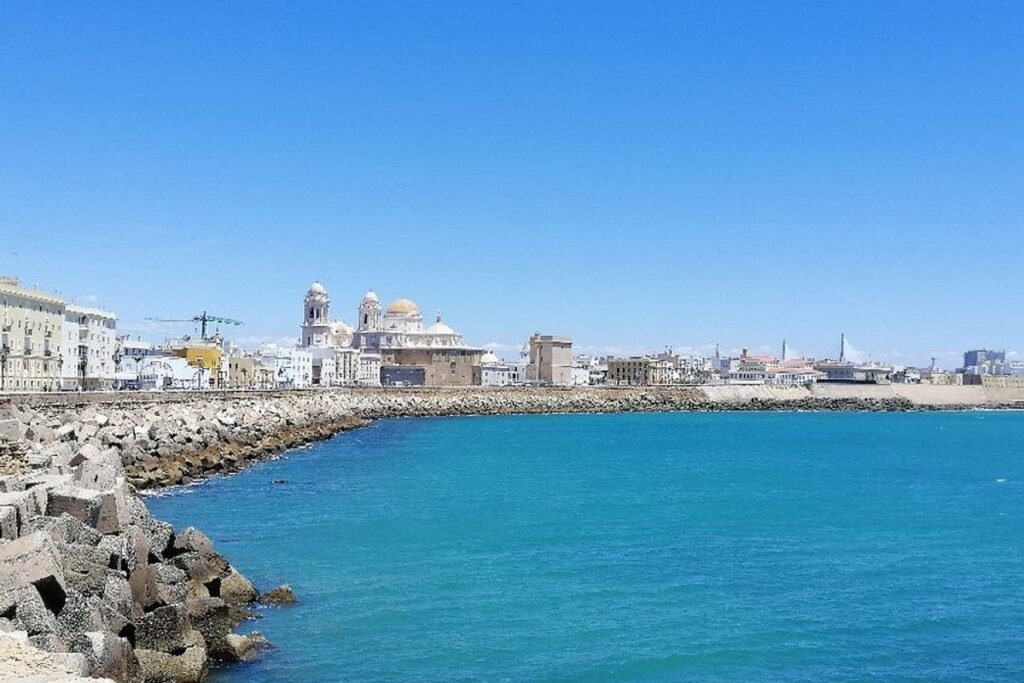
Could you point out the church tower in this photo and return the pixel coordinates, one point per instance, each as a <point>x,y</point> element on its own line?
<point>316,316</point>
<point>370,319</point>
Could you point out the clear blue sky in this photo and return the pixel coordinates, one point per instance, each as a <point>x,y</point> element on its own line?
<point>631,174</point>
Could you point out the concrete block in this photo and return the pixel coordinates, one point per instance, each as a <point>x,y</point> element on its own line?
<point>82,504</point>
<point>8,522</point>
<point>33,559</point>
<point>12,430</point>
<point>165,629</point>
<point>192,539</point>
<point>235,589</point>
<point>187,667</point>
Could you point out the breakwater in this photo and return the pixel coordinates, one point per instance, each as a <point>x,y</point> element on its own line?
<point>89,576</point>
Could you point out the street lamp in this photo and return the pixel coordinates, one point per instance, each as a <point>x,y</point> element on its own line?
<point>138,370</point>
<point>5,351</point>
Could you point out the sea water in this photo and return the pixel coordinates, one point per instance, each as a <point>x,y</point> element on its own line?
<point>640,547</point>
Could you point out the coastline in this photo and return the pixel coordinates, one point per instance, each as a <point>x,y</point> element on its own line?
<point>169,439</point>
<point>86,573</point>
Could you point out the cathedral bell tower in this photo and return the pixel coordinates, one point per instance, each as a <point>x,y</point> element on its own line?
<point>370,319</point>
<point>316,316</point>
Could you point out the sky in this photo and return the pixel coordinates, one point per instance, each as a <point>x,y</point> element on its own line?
<point>634,174</point>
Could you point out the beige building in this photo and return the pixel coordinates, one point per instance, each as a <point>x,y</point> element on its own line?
<point>30,332</point>
<point>454,367</point>
<point>639,371</point>
<point>550,360</point>
<point>1002,382</point>
<point>242,371</point>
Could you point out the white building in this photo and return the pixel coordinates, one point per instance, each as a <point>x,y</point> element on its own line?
<point>325,366</point>
<point>369,369</point>
<point>88,347</point>
<point>292,368</point>
<point>129,357</point>
<point>495,372</point>
<point>165,371</point>
<point>580,376</point>
<point>347,363</point>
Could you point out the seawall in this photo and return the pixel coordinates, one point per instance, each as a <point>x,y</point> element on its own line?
<point>164,438</point>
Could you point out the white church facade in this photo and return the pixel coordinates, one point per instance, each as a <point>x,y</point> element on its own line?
<point>387,345</point>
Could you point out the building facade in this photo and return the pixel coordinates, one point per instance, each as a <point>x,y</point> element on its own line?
<point>242,373</point>
<point>393,337</point>
<point>985,362</point>
<point>369,369</point>
<point>550,360</point>
<point>851,373</point>
<point>290,368</point>
<point>88,349</point>
<point>31,322</point>
<point>494,372</point>
<point>639,371</point>
<point>129,356</point>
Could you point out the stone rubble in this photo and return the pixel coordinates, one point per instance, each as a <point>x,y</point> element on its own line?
<point>89,576</point>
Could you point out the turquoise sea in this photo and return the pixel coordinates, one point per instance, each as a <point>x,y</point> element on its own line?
<point>654,547</point>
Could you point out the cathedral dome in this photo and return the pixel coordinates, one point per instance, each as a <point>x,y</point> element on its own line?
<point>316,289</point>
<point>403,307</point>
<point>370,297</point>
<point>339,327</point>
<point>489,359</point>
<point>440,328</point>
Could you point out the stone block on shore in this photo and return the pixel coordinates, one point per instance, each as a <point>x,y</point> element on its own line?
<point>12,430</point>
<point>64,530</point>
<point>85,452</point>
<point>33,614</point>
<point>8,522</point>
<point>79,614</point>
<point>192,539</point>
<point>189,665</point>
<point>104,510</point>
<point>282,595</point>
<point>82,504</point>
<point>165,629</point>
<point>203,569</point>
<point>108,656</point>
<point>245,648</point>
<point>85,567</point>
<point>33,560</point>
<point>235,589</point>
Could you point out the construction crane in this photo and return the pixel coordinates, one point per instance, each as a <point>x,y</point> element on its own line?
<point>203,319</point>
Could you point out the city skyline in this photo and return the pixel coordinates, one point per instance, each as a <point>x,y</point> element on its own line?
<point>200,327</point>
<point>674,176</point>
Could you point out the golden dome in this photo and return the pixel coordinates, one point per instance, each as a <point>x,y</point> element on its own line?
<point>403,307</point>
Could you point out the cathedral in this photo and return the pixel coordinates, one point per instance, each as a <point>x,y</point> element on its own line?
<point>409,353</point>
